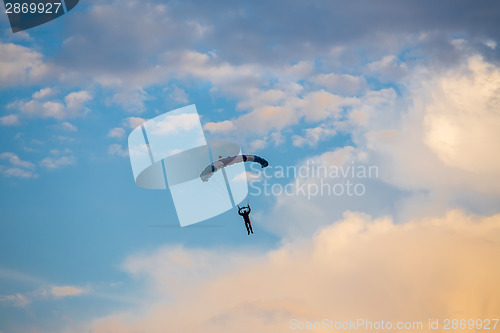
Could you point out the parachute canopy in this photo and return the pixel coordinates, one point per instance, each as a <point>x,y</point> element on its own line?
<point>224,162</point>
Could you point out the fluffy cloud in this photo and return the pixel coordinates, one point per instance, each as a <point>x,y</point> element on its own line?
<point>362,267</point>
<point>117,149</point>
<point>442,142</point>
<point>17,173</point>
<point>178,95</point>
<point>258,144</point>
<point>131,100</point>
<point>73,106</point>
<point>313,107</point>
<point>21,65</point>
<point>225,126</point>
<point>462,118</point>
<point>9,120</point>
<point>133,122</point>
<point>17,167</point>
<point>16,161</point>
<point>57,162</point>
<point>174,123</point>
<point>75,101</point>
<point>68,127</point>
<point>44,93</point>
<point>306,29</point>
<point>318,189</point>
<point>313,136</point>
<point>389,68</point>
<point>117,132</point>
<point>343,84</point>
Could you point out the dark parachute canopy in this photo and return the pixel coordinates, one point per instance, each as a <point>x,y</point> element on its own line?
<point>224,162</point>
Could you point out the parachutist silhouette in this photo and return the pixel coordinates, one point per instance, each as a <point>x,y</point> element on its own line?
<point>230,160</point>
<point>245,211</point>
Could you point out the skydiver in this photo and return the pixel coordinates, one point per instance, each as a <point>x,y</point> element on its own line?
<point>245,211</point>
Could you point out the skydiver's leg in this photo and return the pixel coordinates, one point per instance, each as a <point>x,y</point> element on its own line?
<point>250,225</point>
<point>246,225</point>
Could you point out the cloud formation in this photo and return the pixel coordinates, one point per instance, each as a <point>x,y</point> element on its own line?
<point>437,138</point>
<point>117,132</point>
<point>17,167</point>
<point>74,105</point>
<point>9,120</point>
<point>52,292</point>
<point>52,163</point>
<point>374,269</point>
<point>21,65</point>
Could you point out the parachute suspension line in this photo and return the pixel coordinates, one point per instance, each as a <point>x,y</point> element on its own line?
<point>220,165</point>
<point>228,188</point>
<point>221,188</point>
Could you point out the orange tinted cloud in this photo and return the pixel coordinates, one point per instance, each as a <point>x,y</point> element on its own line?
<point>445,267</point>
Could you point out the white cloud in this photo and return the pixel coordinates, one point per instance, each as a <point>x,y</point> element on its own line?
<point>259,98</point>
<point>463,117</point>
<point>179,95</point>
<point>225,126</point>
<point>343,84</point>
<point>319,188</point>
<point>57,162</point>
<point>16,161</point>
<point>117,132</point>
<point>300,70</point>
<point>389,68</point>
<point>73,106</point>
<point>68,127</point>
<point>313,136</point>
<point>75,101</point>
<point>233,79</point>
<point>258,144</point>
<point>313,107</point>
<point>9,120</point>
<point>44,92</point>
<point>443,142</point>
<point>277,137</point>
<point>58,152</point>
<point>131,100</point>
<point>17,173</point>
<point>491,44</point>
<point>247,176</point>
<point>133,122</point>
<point>173,123</point>
<point>117,149</point>
<point>21,65</point>
<point>48,110</point>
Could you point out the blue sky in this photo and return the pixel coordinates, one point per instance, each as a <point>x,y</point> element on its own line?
<point>410,88</point>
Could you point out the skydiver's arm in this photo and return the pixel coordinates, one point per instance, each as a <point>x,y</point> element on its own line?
<point>249,210</point>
